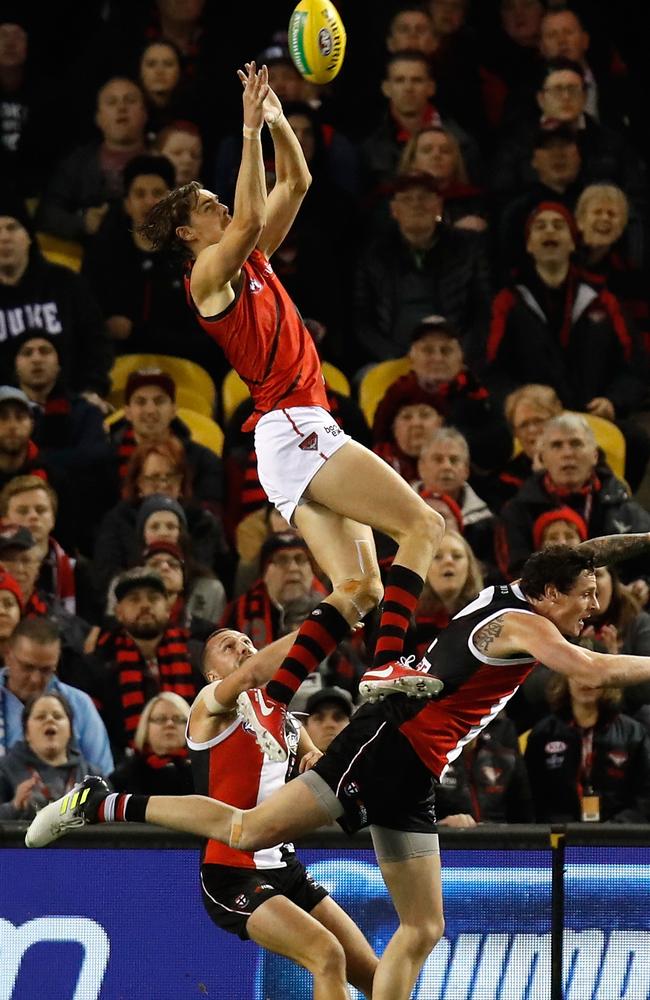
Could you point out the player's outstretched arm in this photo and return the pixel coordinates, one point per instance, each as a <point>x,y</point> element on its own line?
<point>292,177</point>
<point>218,264</point>
<point>610,549</point>
<point>539,637</point>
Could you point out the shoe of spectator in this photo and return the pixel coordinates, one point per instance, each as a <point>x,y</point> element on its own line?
<point>398,678</point>
<point>76,808</point>
<point>265,716</point>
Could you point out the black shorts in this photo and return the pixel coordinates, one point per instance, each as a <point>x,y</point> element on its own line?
<point>377,777</point>
<point>231,894</point>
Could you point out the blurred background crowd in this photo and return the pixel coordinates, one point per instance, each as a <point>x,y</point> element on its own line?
<point>471,261</point>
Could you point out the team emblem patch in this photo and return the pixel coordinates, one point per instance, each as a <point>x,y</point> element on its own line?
<point>556,746</point>
<point>618,757</point>
<point>241,901</point>
<point>352,789</point>
<point>310,443</point>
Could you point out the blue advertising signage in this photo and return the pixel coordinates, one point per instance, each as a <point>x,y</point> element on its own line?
<point>126,924</point>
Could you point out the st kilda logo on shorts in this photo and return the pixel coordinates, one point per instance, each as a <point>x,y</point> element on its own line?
<point>241,901</point>
<point>310,443</point>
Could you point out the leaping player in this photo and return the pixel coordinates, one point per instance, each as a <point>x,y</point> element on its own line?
<point>330,487</point>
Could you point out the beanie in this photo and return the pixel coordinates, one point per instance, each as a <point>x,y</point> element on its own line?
<point>558,514</point>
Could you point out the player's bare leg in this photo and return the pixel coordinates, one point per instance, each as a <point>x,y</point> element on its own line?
<point>360,959</point>
<point>415,888</point>
<point>357,484</point>
<point>290,812</point>
<point>282,927</point>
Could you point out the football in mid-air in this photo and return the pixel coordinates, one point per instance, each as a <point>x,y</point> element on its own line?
<point>317,40</point>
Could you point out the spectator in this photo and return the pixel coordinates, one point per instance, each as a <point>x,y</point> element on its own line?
<point>562,526</point>
<point>556,164</point>
<point>159,76</point>
<point>409,87</point>
<point>181,143</point>
<point>31,503</point>
<point>51,300</point>
<point>612,247</point>
<point>31,662</point>
<point>283,596</point>
<point>454,579</point>
<point>144,656</point>
<point>621,626</point>
<point>435,151</point>
<point>526,409</point>
<point>420,267</point>
<point>455,61</point>
<point>11,606</point>
<point>488,781</point>
<point>599,767</point>
<point>149,418</point>
<point>45,764</point>
<point>408,426</point>
<point>251,533</point>
<point>444,467</point>
<point>87,181</point>
<point>557,327</point>
<point>328,713</point>
<point>161,519</point>
<point>19,456</point>
<point>160,763</point>
<point>440,378</point>
<point>410,29</point>
<point>195,604</point>
<point>571,477</point>
<point>156,468</point>
<point>561,99</point>
<point>68,430</point>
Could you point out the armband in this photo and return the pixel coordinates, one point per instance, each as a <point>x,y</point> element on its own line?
<point>277,121</point>
<point>213,706</point>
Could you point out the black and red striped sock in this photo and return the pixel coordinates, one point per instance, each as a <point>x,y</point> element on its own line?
<point>119,807</point>
<point>401,595</point>
<point>319,635</point>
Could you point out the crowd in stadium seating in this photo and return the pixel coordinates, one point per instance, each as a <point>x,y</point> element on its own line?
<point>470,261</point>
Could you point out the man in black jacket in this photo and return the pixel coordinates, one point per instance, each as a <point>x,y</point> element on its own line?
<point>572,478</point>
<point>420,267</point>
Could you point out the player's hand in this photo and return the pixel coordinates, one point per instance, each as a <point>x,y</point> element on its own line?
<point>272,107</point>
<point>308,760</point>
<point>601,407</point>
<point>459,821</point>
<point>256,87</point>
<point>23,794</point>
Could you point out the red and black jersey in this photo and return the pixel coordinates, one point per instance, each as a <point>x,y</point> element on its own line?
<point>265,340</point>
<point>476,687</point>
<point>232,768</point>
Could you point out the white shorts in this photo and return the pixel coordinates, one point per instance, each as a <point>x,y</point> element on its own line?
<point>291,446</point>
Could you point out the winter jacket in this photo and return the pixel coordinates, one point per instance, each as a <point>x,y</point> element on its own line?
<point>57,301</point>
<point>595,354</point>
<point>22,763</point>
<point>89,730</point>
<point>396,287</point>
<point>620,772</point>
<point>489,780</point>
<point>608,510</point>
<point>149,774</point>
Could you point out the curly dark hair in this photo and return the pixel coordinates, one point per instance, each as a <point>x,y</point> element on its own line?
<point>167,215</point>
<point>558,566</point>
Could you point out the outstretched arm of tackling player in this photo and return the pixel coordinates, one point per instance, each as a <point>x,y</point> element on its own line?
<point>539,637</point>
<point>610,549</point>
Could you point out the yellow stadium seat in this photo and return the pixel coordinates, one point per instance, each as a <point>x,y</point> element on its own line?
<point>195,390</point>
<point>374,384</point>
<point>203,429</point>
<point>234,391</point>
<point>335,378</point>
<point>59,251</point>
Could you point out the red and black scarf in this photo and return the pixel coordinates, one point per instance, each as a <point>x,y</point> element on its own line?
<point>251,613</point>
<point>126,446</point>
<point>158,761</point>
<point>586,492</point>
<point>174,666</point>
<point>36,606</point>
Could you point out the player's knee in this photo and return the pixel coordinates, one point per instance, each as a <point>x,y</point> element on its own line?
<point>328,958</point>
<point>428,525</point>
<point>422,938</point>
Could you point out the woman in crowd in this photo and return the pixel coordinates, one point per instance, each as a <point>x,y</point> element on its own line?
<point>156,468</point>
<point>160,764</point>
<point>11,607</point>
<point>454,579</point>
<point>45,764</point>
<point>410,426</point>
<point>159,76</point>
<point>195,602</point>
<point>599,767</point>
<point>436,151</point>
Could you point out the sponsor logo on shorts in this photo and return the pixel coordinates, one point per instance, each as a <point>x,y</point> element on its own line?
<point>263,887</point>
<point>333,429</point>
<point>310,443</point>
